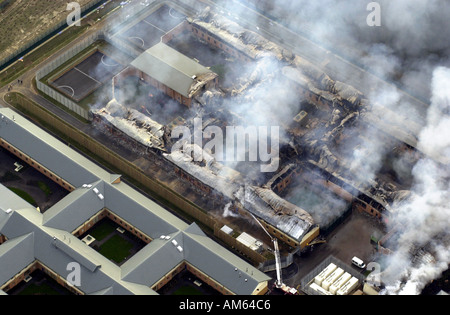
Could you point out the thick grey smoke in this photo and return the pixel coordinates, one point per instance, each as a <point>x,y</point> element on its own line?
<point>411,48</point>
<point>411,40</point>
<point>425,217</point>
<point>408,48</point>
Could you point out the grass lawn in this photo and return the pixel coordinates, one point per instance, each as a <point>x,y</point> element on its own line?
<point>102,230</point>
<point>24,195</point>
<point>42,289</point>
<point>44,187</point>
<point>116,248</point>
<point>187,290</point>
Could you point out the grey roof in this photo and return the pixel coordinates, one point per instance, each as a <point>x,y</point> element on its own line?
<point>83,202</point>
<point>156,259</point>
<point>15,254</point>
<point>232,272</point>
<point>170,67</point>
<point>49,151</point>
<point>11,201</point>
<point>47,237</point>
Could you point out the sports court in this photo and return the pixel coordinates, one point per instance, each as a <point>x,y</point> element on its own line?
<point>87,76</point>
<point>148,32</point>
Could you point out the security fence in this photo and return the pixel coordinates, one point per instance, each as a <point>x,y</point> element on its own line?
<point>40,38</point>
<point>56,63</point>
<point>309,278</point>
<point>67,55</point>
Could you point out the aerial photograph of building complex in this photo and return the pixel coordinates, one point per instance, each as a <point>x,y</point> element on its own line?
<point>224,148</point>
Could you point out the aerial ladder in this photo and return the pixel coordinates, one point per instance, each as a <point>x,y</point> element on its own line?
<point>279,282</point>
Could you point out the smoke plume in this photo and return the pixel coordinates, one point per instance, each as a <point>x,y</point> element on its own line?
<point>425,217</point>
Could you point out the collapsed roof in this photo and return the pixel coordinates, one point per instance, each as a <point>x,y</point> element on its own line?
<point>136,125</point>
<point>263,203</point>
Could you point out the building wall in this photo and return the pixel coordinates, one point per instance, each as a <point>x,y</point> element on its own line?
<point>208,37</point>
<point>43,170</point>
<point>37,265</point>
<point>192,180</point>
<point>169,276</point>
<point>216,42</point>
<point>106,213</point>
<point>362,206</point>
<point>261,290</point>
<point>131,71</point>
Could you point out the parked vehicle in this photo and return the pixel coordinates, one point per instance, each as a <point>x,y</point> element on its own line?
<point>358,262</point>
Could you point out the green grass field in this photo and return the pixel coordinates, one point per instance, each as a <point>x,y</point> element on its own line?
<point>116,249</point>
<point>187,290</point>
<point>102,230</point>
<point>24,195</point>
<point>39,289</point>
<point>44,187</point>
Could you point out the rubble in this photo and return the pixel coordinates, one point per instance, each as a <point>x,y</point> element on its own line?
<point>136,125</point>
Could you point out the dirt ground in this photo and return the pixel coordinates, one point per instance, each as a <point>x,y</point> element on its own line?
<point>24,20</point>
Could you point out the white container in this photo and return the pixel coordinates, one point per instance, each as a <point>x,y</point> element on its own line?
<point>348,287</point>
<point>340,282</point>
<point>324,274</point>
<point>319,289</point>
<point>333,277</point>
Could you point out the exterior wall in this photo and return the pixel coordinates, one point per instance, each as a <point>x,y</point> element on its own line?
<point>260,290</point>
<point>310,237</point>
<point>216,42</point>
<point>284,181</point>
<point>169,276</point>
<point>19,277</point>
<point>192,180</point>
<point>367,208</point>
<point>130,71</point>
<point>129,227</point>
<point>45,171</point>
<point>209,281</point>
<point>207,36</point>
<point>105,213</point>
<point>37,265</point>
<point>89,223</point>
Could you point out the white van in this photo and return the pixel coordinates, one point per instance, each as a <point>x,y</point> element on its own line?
<point>358,262</point>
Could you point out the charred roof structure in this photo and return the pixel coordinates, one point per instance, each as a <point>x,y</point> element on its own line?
<point>319,118</point>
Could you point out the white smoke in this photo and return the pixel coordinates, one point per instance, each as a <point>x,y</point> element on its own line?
<point>425,217</point>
